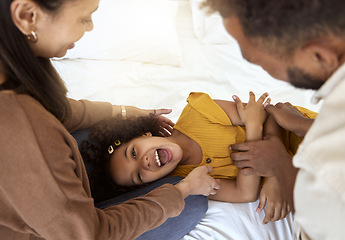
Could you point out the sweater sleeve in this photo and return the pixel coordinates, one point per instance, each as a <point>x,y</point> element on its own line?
<point>44,189</point>
<point>86,113</point>
<point>127,220</point>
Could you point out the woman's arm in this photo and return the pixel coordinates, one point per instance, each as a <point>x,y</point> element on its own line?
<point>46,185</point>
<point>87,113</point>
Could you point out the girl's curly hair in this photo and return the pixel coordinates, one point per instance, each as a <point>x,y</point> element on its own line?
<point>95,151</point>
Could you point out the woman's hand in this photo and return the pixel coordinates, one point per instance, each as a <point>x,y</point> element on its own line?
<point>271,195</point>
<point>130,111</point>
<point>166,124</point>
<point>198,182</point>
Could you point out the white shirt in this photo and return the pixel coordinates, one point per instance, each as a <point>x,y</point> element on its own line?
<point>319,193</point>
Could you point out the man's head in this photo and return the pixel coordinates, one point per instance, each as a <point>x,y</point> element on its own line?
<point>300,41</point>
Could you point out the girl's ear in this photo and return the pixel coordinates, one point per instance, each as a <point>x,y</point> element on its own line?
<point>148,134</point>
<point>24,15</point>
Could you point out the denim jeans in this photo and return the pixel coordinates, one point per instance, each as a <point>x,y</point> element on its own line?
<point>173,228</point>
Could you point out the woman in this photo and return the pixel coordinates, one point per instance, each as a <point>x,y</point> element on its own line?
<point>45,192</point>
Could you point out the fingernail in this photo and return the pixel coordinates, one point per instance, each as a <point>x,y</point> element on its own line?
<point>265,105</point>
<point>234,97</point>
<point>230,148</point>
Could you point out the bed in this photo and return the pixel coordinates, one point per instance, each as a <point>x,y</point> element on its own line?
<point>152,54</point>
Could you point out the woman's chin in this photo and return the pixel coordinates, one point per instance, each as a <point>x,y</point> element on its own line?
<point>60,55</point>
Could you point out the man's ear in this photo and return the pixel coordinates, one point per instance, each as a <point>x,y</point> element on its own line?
<point>24,15</point>
<point>148,134</point>
<point>321,56</point>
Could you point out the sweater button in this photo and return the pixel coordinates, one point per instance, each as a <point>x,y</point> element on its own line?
<point>208,160</point>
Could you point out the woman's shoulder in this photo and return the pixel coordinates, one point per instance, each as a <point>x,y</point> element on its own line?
<point>13,105</point>
<point>21,111</point>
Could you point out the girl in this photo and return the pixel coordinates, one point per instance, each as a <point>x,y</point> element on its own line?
<point>202,135</point>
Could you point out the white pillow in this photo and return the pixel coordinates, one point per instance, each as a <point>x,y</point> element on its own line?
<point>136,30</point>
<point>209,29</point>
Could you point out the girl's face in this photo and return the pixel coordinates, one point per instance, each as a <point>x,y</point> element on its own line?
<point>144,159</point>
<point>58,33</point>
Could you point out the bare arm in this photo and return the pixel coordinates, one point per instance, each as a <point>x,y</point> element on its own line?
<point>267,158</point>
<point>230,109</point>
<point>243,189</point>
<point>271,194</point>
<point>252,115</point>
<point>272,128</point>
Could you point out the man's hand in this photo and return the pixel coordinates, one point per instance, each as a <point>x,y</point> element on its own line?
<point>264,157</point>
<point>289,118</point>
<point>273,196</point>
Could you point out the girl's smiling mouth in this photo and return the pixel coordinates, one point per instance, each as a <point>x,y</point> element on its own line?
<point>163,156</point>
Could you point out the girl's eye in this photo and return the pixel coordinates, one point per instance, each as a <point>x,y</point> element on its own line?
<point>133,153</point>
<point>139,177</point>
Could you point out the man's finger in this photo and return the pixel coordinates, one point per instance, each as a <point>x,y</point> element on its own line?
<point>262,203</point>
<point>239,156</point>
<point>269,214</point>
<point>241,164</point>
<point>239,147</point>
<point>276,216</point>
<point>279,105</point>
<point>270,108</point>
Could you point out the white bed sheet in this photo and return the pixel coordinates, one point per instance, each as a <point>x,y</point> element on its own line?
<point>239,221</point>
<point>218,70</point>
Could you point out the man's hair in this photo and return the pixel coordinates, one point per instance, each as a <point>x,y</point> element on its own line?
<point>95,151</point>
<point>281,26</point>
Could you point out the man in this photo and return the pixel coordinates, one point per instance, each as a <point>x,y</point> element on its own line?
<point>302,42</point>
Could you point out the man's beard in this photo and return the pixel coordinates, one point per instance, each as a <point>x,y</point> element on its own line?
<point>300,79</point>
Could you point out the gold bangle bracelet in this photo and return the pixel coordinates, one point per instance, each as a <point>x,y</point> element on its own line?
<point>123,112</point>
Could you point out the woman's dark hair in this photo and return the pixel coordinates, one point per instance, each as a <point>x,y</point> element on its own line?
<point>95,151</point>
<point>26,73</point>
<point>280,26</point>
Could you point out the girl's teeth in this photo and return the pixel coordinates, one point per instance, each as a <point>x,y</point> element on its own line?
<point>157,158</point>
